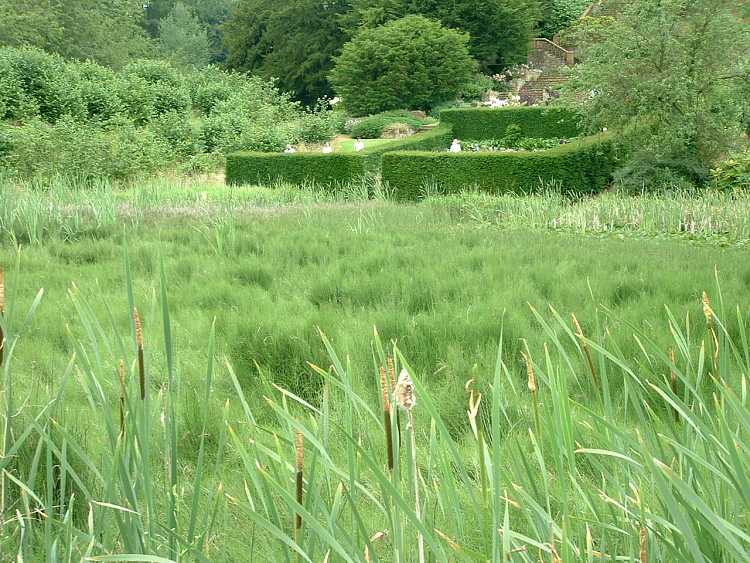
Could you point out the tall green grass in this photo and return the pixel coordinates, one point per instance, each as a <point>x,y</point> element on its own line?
<point>651,466</point>
<point>257,328</point>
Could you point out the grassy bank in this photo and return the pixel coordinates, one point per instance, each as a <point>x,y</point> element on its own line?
<point>634,429</point>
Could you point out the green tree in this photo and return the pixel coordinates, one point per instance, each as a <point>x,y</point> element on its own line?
<point>210,13</point>
<point>667,75</point>
<point>30,22</point>
<point>557,15</point>
<point>183,39</point>
<point>107,31</point>
<point>500,30</point>
<point>412,62</point>
<point>294,41</point>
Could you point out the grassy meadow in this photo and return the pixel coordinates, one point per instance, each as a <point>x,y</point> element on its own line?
<point>265,316</point>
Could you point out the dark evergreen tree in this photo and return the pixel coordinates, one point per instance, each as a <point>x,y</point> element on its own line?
<point>294,42</point>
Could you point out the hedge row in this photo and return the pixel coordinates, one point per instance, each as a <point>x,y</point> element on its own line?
<point>298,168</point>
<point>584,166</point>
<point>538,122</point>
<point>324,169</point>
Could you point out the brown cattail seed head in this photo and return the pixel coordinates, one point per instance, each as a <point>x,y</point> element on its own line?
<point>644,545</point>
<point>404,391</point>
<point>138,329</point>
<point>384,390</point>
<point>530,372</point>
<point>299,446</point>
<point>392,372</point>
<point>708,310</point>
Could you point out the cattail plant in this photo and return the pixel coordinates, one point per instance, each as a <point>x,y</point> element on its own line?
<point>586,350</point>
<point>407,400</point>
<point>2,314</point>
<point>392,373</point>
<point>387,417</point>
<point>708,312</point>
<point>299,450</point>
<point>672,358</point>
<point>644,545</point>
<point>122,397</point>
<point>531,374</point>
<point>139,345</point>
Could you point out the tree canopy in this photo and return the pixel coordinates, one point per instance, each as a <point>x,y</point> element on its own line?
<point>183,39</point>
<point>293,41</point>
<point>669,75</point>
<point>500,30</point>
<point>107,31</point>
<point>296,41</point>
<point>431,64</point>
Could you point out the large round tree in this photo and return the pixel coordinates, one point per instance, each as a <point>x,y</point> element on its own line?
<point>412,62</point>
<point>500,30</point>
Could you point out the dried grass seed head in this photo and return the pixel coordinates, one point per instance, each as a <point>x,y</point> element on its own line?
<point>530,372</point>
<point>404,392</point>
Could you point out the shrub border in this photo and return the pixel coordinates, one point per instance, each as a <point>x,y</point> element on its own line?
<point>487,123</point>
<point>325,170</point>
<point>584,166</point>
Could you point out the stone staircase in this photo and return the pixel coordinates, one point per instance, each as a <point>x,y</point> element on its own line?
<point>544,89</point>
<point>551,59</point>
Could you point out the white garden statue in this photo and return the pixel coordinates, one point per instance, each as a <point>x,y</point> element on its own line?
<point>455,146</point>
<point>327,148</point>
<point>290,149</point>
<point>359,145</point>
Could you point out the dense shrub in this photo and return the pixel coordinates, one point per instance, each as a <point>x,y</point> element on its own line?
<point>539,122</point>
<point>35,83</point>
<point>645,171</point>
<point>14,103</point>
<point>166,91</point>
<point>211,85</point>
<point>6,141</point>
<point>733,173</point>
<point>323,169</point>
<point>412,62</point>
<point>176,132</point>
<point>372,127</point>
<point>94,104</point>
<point>313,128</point>
<point>582,167</point>
<point>69,147</point>
<point>257,117</point>
<point>206,96</point>
<point>98,89</point>
<point>476,89</point>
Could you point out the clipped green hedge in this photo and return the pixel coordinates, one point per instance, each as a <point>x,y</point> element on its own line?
<point>582,167</point>
<point>324,169</point>
<point>485,123</point>
<point>297,168</point>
